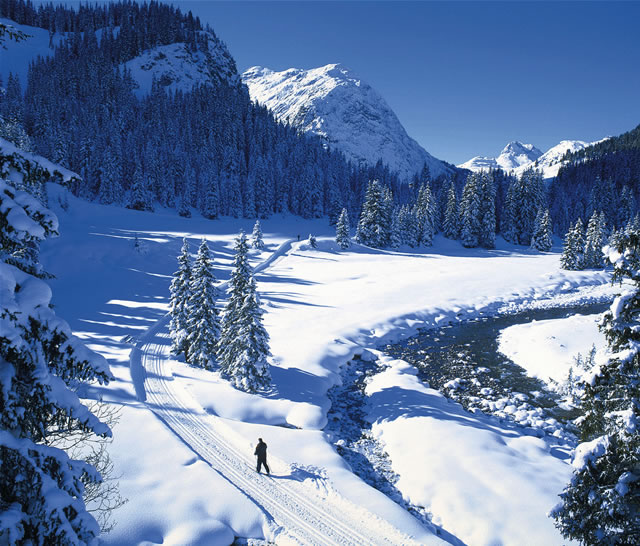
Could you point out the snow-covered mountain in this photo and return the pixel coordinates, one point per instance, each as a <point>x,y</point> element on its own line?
<point>518,157</point>
<point>334,103</point>
<point>514,155</point>
<point>178,68</point>
<point>551,161</point>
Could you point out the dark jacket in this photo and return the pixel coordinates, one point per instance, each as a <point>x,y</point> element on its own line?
<point>261,450</point>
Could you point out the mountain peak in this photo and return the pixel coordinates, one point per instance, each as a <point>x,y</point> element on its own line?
<point>331,101</point>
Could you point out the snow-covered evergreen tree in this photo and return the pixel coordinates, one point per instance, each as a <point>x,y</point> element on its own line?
<point>180,291</point>
<point>525,197</point>
<point>572,250</point>
<point>342,230</point>
<point>374,226</point>
<point>41,488</point>
<point>244,343</point>
<point>452,215</point>
<point>313,243</point>
<point>487,198</point>
<point>203,322</point>
<point>424,212</point>
<point>542,238</point>
<point>601,505</point>
<point>256,236</point>
<point>595,239</point>
<point>470,211</point>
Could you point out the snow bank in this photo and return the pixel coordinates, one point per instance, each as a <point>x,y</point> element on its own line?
<point>485,482</point>
<point>546,349</point>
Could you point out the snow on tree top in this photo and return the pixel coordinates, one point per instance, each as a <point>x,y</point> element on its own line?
<point>334,103</point>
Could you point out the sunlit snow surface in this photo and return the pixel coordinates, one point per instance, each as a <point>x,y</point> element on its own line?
<point>483,481</point>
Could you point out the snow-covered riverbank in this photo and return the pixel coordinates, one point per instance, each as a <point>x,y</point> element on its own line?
<point>323,305</point>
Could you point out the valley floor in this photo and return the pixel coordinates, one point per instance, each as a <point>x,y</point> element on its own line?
<point>482,480</point>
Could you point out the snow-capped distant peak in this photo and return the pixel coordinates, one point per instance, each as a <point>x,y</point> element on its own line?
<point>333,102</point>
<point>515,154</point>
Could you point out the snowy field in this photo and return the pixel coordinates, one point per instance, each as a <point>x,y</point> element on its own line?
<point>485,482</point>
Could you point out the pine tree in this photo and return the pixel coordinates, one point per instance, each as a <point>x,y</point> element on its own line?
<point>244,342</point>
<point>374,226</point>
<point>180,291</point>
<point>452,215</point>
<point>424,212</point>
<point>471,213</point>
<point>313,243</point>
<point>542,239</point>
<point>601,504</point>
<point>203,322</point>
<point>256,236</point>
<point>41,487</point>
<point>595,240</point>
<point>342,230</point>
<point>573,248</point>
<point>487,198</point>
<point>240,277</point>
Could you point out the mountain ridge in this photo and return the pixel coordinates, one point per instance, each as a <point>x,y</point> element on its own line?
<point>334,103</point>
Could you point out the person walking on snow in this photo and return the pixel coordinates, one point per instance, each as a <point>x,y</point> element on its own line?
<point>261,452</point>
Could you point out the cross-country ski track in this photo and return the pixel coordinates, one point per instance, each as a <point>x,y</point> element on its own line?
<point>304,509</point>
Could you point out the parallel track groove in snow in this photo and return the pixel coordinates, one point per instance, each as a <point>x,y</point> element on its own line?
<point>294,509</point>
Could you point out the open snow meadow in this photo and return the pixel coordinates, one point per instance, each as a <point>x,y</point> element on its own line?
<point>183,447</point>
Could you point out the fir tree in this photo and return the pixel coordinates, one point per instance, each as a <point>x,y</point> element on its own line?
<point>471,213</point>
<point>601,504</point>
<point>542,238</point>
<point>313,243</point>
<point>573,248</point>
<point>41,488</point>
<point>424,212</point>
<point>594,241</point>
<point>342,230</point>
<point>256,236</point>
<point>374,226</point>
<point>180,291</point>
<point>244,343</point>
<point>452,215</point>
<point>203,323</point>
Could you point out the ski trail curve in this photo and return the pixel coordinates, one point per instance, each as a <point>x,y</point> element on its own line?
<point>305,511</point>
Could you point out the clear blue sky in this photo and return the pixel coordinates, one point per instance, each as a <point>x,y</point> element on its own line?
<point>463,77</point>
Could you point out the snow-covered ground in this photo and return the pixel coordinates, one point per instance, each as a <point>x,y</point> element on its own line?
<point>484,482</point>
<point>548,348</point>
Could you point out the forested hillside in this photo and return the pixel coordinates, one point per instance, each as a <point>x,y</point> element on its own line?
<point>604,177</point>
<point>210,149</point>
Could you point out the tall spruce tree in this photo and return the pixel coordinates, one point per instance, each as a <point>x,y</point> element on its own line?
<point>424,212</point>
<point>256,236</point>
<point>601,505</point>
<point>41,488</point>
<point>452,215</point>
<point>595,239</point>
<point>342,230</point>
<point>542,238</point>
<point>180,291</point>
<point>374,226</point>
<point>572,257</point>
<point>471,213</point>
<point>203,322</point>
<point>244,342</point>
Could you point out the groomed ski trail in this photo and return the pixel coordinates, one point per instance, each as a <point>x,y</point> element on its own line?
<point>299,511</point>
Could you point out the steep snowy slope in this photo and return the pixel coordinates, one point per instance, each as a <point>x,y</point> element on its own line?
<point>334,103</point>
<point>514,155</point>
<point>178,68</point>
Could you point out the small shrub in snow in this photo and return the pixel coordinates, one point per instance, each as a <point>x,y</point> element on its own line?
<point>313,243</point>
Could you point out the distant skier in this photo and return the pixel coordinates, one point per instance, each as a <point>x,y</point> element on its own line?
<point>261,452</point>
